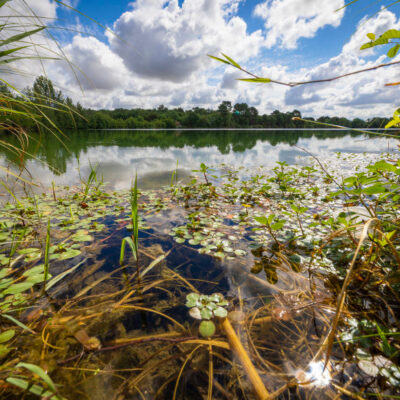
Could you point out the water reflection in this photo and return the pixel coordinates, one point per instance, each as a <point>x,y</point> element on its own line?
<point>153,154</point>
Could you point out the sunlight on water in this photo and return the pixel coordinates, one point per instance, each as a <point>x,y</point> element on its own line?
<point>315,375</point>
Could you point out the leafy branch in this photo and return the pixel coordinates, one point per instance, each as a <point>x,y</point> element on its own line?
<point>257,79</point>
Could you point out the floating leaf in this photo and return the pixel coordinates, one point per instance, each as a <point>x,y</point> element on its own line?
<point>368,367</point>
<point>206,313</point>
<point>71,253</point>
<point>195,313</point>
<point>192,300</point>
<point>82,238</point>
<point>220,312</point>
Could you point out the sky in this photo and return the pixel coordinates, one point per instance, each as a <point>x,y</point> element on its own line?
<point>145,53</point>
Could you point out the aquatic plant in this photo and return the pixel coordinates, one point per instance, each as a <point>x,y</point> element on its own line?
<point>204,308</point>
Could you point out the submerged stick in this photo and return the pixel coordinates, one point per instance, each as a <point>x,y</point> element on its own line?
<point>248,366</point>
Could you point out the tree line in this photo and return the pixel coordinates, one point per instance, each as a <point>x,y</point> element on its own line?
<point>63,112</point>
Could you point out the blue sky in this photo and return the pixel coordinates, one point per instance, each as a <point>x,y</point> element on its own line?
<point>159,55</point>
<point>326,44</point>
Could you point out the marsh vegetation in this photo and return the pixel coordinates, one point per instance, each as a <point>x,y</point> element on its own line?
<point>274,282</point>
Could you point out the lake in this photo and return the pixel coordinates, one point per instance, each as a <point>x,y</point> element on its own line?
<point>154,154</point>
<point>115,321</point>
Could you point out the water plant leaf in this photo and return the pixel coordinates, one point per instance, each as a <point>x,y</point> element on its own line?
<point>206,313</point>
<point>4,350</point>
<point>207,328</point>
<point>18,288</point>
<point>82,238</point>
<point>368,367</point>
<point>220,312</point>
<point>39,372</point>
<point>70,253</point>
<point>7,335</point>
<point>195,313</point>
<point>192,299</point>
<point>18,323</point>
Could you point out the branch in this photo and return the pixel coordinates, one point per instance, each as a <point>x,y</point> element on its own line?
<point>259,79</point>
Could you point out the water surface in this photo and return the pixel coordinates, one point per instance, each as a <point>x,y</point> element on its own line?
<point>154,154</point>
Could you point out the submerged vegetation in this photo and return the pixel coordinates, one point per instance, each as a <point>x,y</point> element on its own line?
<point>279,245</point>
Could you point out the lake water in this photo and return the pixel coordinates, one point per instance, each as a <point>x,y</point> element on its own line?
<point>154,154</point>
<point>288,305</point>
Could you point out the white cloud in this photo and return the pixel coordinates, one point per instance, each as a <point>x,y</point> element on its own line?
<point>39,8</point>
<point>379,24</point>
<point>287,21</point>
<point>160,58</point>
<point>101,68</point>
<point>160,39</point>
<point>358,95</point>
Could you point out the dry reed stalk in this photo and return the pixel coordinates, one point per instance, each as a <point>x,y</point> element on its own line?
<point>244,358</point>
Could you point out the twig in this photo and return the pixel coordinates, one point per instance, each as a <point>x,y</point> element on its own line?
<point>293,84</point>
<point>130,343</point>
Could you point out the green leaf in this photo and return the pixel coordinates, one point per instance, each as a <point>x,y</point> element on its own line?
<point>18,288</point>
<point>371,36</point>
<point>7,335</point>
<point>207,328</point>
<point>384,166</point>
<point>35,389</point>
<point>4,350</point>
<point>258,80</point>
<point>82,238</point>
<point>393,51</point>
<point>206,313</point>
<point>232,62</point>
<point>18,323</point>
<point>219,59</point>
<point>390,34</point>
<point>375,189</point>
<point>220,312</point>
<point>262,220</point>
<point>7,52</point>
<point>393,122</point>
<point>277,225</point>
<point>192,299</point>
<point>21,36</point>
<point>70,253</point>
<point>34,271</point>
<point>38,371</point>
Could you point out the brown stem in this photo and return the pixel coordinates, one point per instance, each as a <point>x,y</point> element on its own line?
<point>130,343</point>
<point>293,84</point>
